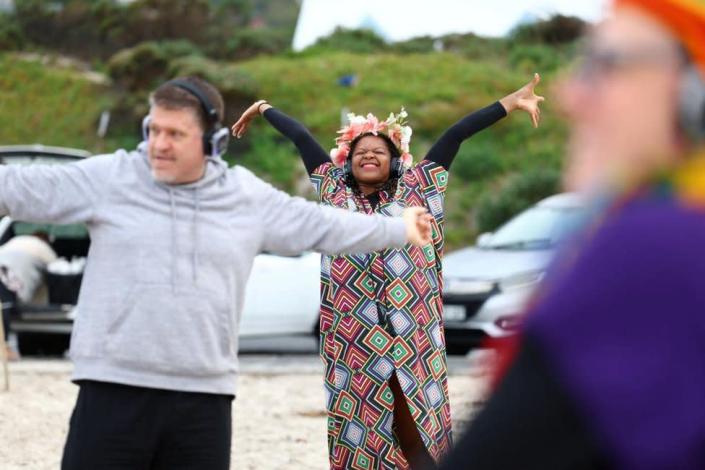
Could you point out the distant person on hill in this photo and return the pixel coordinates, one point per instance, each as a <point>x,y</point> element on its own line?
<point>381,324</point>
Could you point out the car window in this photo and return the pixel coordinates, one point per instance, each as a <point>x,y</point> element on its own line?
<point>536,229</point>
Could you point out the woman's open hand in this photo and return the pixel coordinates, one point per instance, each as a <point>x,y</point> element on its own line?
<point>526,100</point>
<point>250,113</point>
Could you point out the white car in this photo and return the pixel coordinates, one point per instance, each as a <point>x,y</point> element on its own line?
<point>487,287</point>
<point>282,296</point>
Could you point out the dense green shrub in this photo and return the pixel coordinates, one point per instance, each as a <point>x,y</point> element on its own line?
<point>517,193</point>
<point>535,57</point>
<point>91,29</point>
<point>238,87</point>
<point>85,29</point>
<point>141,69</point>
<point>11,36</point>
<point>159,20</point>
<point>475,47</point>
<point>418,45</point>
<point>558,29</point>
<point>143,66</point>
<point>269,155</point>
<point>49,105</point>
<point>476,161</point>
<point>250,42</point>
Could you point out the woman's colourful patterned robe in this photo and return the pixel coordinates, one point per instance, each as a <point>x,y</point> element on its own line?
<point>380,315</point>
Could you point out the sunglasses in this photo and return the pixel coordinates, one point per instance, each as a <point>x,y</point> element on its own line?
<point>596,62</point>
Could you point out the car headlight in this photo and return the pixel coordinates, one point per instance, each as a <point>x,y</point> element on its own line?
<point>467,287</point>
<point>521,281</point>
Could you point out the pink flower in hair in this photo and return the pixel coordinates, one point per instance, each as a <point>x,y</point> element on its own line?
<point>371,124</point>
<point>394,133</point>
<point>339,154</point>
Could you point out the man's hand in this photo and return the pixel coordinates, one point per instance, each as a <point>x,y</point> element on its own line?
<point>418,225</point>
<point>250,113</point>
<point>525,99</point>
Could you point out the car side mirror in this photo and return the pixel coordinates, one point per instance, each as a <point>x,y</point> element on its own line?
<point>484,240</point>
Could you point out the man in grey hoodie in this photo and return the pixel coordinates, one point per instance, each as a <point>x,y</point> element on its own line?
<point>174,232</point>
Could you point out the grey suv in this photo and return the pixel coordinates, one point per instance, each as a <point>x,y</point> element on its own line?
<point>487,286</point>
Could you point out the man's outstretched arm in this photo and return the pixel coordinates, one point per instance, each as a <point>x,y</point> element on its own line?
<point>293,225</point>
<point>53,193</point>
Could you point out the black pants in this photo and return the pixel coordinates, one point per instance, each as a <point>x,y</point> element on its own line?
<point>9,301</point>
<point>122,427</point>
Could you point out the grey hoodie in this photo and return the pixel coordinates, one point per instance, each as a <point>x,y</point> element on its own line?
<point>165,278</point>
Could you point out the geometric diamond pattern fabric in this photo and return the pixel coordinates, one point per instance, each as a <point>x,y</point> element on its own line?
<point>380,315</point>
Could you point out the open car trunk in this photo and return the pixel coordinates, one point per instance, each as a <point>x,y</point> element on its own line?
<point>44,324</point>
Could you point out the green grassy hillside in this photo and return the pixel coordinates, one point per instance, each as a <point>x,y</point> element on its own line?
<point>49,105</point>
<point>437,90</point>
<point>58,106</point>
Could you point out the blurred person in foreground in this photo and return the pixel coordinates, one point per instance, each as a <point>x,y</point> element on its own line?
<point>609,371</point>
<point>174,233</point>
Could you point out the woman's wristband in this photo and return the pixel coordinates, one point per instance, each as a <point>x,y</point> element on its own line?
<point>259,106</point>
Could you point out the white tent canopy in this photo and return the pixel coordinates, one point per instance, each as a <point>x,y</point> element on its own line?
<point>397,20</point>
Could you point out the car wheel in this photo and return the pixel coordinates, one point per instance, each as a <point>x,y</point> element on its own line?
<point>38,344</point>
<point>458,349</point>
<point>462,341</point>
<point>317,333</point>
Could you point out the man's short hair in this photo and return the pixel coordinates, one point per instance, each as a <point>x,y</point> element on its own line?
<point>170,96</point>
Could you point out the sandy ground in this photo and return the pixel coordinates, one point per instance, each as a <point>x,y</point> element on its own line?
<point>278,417</point>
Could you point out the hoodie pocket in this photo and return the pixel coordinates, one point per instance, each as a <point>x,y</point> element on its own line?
<point>186,332</point>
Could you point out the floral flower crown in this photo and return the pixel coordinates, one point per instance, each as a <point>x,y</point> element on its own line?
<point>395,127</point>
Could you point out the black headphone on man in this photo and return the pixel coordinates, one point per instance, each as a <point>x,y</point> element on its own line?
<point>692,104</point>
<point>396,165</point>
<point>215,137</point>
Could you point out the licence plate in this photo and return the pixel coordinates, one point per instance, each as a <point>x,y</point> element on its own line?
<point>453,312</point>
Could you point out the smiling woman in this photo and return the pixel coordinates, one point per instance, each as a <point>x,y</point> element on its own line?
<point>370,161</point>
<point>381,326</point>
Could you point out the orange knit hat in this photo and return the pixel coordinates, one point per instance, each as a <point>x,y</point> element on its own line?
<point>685,19</point>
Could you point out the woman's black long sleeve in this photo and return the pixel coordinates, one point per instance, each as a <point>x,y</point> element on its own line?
<point>311,152</point>
<point>446,148</point>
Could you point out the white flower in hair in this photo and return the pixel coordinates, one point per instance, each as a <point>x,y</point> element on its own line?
<point>406,134</point>
<point>356,119</point>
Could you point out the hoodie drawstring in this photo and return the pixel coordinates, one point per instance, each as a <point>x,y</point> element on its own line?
<point>194,233</point>
<point>194,238</point>
<point>174,248</point>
